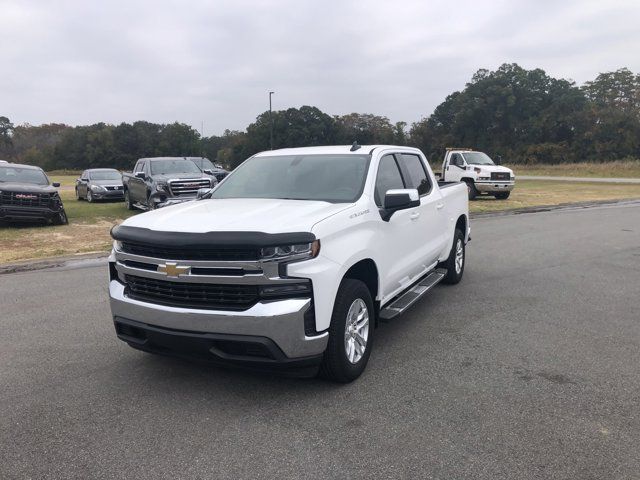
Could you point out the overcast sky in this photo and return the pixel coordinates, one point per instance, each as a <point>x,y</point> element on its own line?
<point>81,62</point>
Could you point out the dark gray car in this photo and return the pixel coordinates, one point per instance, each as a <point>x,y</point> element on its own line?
<point>100,184</point>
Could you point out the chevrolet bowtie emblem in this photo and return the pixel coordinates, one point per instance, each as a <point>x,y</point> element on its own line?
<point>172,269</point>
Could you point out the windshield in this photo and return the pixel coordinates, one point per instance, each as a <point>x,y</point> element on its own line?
<point>328,178</point>
<point>179,165</point>
<point>204,163</point>
<point>23,175</point>
<point>105,175</point>
<point>478,158</point>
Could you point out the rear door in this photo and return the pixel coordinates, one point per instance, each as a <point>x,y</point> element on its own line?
<point>431,221</point>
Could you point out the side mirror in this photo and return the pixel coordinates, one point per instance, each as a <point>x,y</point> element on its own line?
<point>55,184</point>
<point>208,171</point>
<point>204,193</point>
<point>84,179</point>
<point>141,175</point>
<point>399,199</point>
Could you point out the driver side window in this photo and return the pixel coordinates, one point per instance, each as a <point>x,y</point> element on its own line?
<point>456,159</point>
<point>389,178</point>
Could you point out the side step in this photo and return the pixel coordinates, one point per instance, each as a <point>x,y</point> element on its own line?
<point>411,296</point>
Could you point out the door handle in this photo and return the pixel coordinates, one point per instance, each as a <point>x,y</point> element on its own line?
<point>414,216</point>
<point>439,206</point>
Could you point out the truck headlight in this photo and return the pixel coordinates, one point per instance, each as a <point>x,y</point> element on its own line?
<point>117,245</point>
<point>161,187</point>
<point>299,251</point>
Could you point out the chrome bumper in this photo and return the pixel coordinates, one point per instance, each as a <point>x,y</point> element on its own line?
<point>280,321</point>
<point>494,186</point>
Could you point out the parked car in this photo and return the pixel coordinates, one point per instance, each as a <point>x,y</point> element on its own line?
<point>100,184</point>
<point>27,195</point>
<point>161,181</point>
<point>478,172</point>
<point>291,261</point>
<point>204,163</point>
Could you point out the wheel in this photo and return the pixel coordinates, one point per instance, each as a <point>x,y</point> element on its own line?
<point>61,218</point>
<point>89,196</point>
<point>502,195</point>
<point>456,260</point>
<point>78,197</point>
<point>127,201</point>
<point>350,333</point>
<point>471,189</point>
<point>151,204</point>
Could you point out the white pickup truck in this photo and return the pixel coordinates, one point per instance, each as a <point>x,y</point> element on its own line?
<point>479,172</point>
<point>290,262</point>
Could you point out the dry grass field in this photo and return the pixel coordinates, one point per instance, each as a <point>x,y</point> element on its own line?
<point>89,224</point>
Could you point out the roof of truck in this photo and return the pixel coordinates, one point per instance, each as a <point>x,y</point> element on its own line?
<point>329,149</point>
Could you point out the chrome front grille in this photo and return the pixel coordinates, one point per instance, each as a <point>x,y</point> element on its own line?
<point>188,187</point>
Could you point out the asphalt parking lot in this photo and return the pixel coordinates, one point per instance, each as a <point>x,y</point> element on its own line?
<point>530,368</point>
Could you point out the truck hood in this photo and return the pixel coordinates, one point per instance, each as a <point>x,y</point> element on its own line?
<point>493,168</point>
<point>106,182</point>
<point>238,215</point>
<point>181,176</point>
<point>26,187</point>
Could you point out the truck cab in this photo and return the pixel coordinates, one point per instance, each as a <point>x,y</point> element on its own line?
<point>479,172</point>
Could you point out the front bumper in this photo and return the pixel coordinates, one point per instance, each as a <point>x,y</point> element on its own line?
<point>279,326</point>
<point>28,214</point>
<point>494,187</point>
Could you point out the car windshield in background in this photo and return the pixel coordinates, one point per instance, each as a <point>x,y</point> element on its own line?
<point>23,175</point>
<point>478,158</point>
<point>105,175</point>
<point>162,167</point>
<point>205,164</point>
<point>328,178</point>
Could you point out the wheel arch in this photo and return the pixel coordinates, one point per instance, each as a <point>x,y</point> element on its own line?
<point>366,271</point>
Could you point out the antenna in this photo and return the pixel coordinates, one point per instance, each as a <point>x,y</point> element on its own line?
<point>354,147</point>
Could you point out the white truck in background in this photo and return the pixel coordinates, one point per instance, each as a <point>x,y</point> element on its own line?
<point>479,172</point>
<point>291,261</point>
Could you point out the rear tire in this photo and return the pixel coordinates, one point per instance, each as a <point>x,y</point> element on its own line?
<point>350,333</point>
<point>471,189</point>
<point>502,195</point>
<point>78,197</point>
<point>455,262</point>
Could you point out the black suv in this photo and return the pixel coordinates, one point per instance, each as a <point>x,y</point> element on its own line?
<point>26,195</point>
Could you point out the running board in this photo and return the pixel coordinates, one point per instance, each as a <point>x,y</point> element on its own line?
<point>412,295</point>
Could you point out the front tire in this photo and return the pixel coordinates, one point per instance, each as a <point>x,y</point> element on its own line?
<point>89,196</point>
<point>350,333</point>
<point>127,201</point>
<point>502,195</point>
<point>61,218</point>
<point>471,189</point>
<point>455,262</point>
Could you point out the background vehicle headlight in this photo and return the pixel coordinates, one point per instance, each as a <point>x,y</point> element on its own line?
<point>161,187</point>
<point>96,188</point>
<point>301,250</point>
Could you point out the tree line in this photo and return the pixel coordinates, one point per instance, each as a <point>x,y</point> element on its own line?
<point>523,116</point>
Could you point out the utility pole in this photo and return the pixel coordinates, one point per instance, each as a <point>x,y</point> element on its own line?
<point>270,121</point>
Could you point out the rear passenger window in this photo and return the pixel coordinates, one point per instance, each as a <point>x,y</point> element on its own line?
<point>414,169</point>
<point>389,178</point>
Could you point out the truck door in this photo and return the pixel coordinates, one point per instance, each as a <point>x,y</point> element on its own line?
<point>431,221</point>
<point>137,186</point>
<point>399,237</point>
<point>455,168</point>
